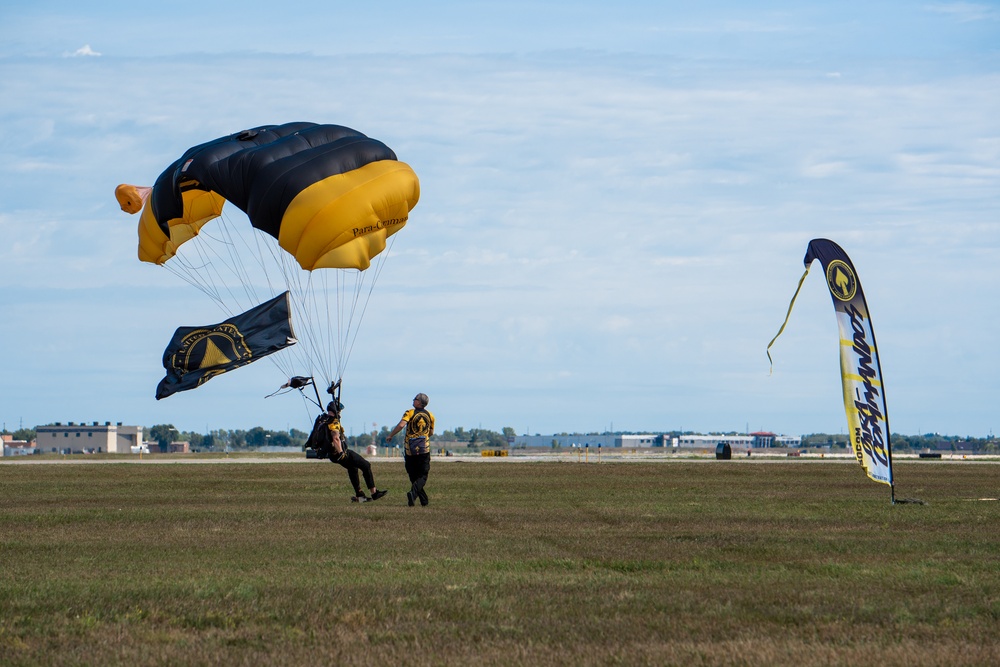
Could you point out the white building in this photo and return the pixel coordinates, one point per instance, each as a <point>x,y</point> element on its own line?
<point>635,441</point>
<point>592,440</point>
<point>712,441</point>
<point>639,441</point>
<point>12,447</point>
<point>83,438</point>
<point>760,440</point>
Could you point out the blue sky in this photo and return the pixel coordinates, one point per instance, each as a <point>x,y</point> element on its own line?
<point>615,205</point>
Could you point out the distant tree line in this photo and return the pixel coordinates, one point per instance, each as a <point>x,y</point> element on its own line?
<point>26,434</point>
<point>912,443</point>
<point>226,440</point>
<point>479,438</point>
<point>475,438</point>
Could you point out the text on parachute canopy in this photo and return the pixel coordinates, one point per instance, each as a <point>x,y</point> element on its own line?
<point>382,224</point>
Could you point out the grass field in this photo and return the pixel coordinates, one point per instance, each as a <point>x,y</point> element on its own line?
<point>513,563</point>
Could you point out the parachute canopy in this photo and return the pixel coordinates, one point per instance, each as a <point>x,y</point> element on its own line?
<point>330,195</point>
<point>315,197</point>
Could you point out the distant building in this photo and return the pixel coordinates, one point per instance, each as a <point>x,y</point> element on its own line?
<point>92,438</point>
<point>764,439</point>
<point>958,446</point>
<point>759,440</point>
<point>175,447</point>
<point>579,440</point>
<point>179,447</point>
<point>687,441</point>
<point>633,441</point>
<point>788,441</point>
<point>12,447</point>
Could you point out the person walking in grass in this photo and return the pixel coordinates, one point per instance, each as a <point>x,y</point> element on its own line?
<point>419,425</point>
<point>328,439</point>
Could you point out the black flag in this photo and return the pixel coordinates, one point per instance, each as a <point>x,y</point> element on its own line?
<point>197,354</point>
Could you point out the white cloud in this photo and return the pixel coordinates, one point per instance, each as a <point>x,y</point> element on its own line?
<point>825,169</point>
<point>965,11</point>
<point>956,169</point>
<point>83,52</point>
<point>616,324</point>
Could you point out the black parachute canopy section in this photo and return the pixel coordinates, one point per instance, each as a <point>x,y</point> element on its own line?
<point>262,169</point>
<point>197,354</point>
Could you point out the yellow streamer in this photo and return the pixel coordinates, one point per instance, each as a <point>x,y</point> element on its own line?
<point>787,315</point>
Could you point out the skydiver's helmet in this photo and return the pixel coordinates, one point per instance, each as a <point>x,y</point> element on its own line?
<point>336,407</point>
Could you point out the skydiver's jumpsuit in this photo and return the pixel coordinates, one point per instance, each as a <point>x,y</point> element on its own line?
<point>417,458</point>
<point>321,440</point>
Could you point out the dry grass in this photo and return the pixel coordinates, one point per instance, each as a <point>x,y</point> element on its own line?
<point>686,563</point>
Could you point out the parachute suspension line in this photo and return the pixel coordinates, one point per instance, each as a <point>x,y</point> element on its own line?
<point>376,271</point>
<point>349,293</point>
<point>218,263</point>
<point>300,296</point>
<point>336,344</point>
<point>248,242</point>
<point>173,268</point>
<point>288,283</point>
<point>305,296</point>
<point>236,262</point>
<point>264,253</point>
<point>314,298</point>
<point>224,265</point>
<point>787,315</point>
<point>347,303</point>
<point>240,249</point>
<point>328,305</point>
<point>198,274</point>
<point>202,264</point>
<point>269,258</point>
<point>338,309</point>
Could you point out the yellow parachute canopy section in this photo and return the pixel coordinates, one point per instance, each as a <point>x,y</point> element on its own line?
<point>342,221</point>
<point>199,208</point>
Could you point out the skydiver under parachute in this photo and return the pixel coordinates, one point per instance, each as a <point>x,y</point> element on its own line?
<point>328,440</point>
<point>322,201</point>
